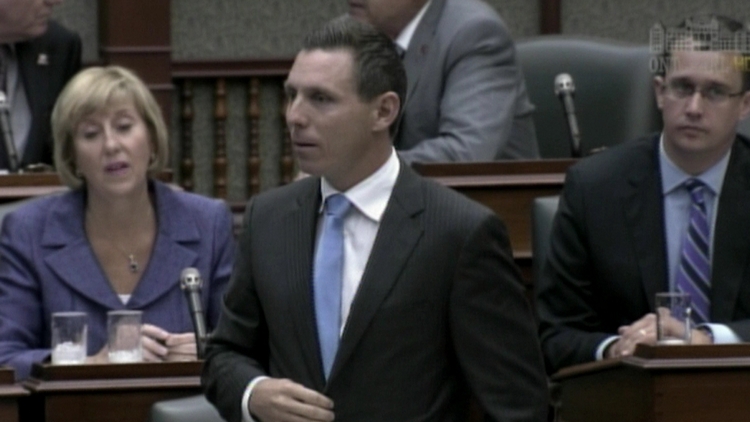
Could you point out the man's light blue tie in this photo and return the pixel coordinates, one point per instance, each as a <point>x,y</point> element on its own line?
<point>694,272</point>
<point>327,274</point>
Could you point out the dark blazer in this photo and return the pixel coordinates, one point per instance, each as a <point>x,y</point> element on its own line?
<point>43,79</point>
<point>466,98</point>
<point>439,313</point>
<point>608,253</point>
<point>47,265</point>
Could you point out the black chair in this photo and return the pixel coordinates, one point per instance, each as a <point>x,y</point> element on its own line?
<point>189,409</point>
<point>614,97</point>
<point>543,212</point>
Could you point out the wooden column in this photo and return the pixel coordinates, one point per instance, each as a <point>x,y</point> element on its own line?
<point>136,34</point>
<point>550,16</point>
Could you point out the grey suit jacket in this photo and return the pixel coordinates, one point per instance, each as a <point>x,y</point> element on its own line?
<point>43,79</point>
<point>608,256</point>
<point>466,98</point>
<point>439,313</point>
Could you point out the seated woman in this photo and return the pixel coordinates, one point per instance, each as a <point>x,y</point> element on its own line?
<point>118,240</point>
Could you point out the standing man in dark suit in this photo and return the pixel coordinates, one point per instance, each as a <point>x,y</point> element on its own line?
<point>38,57</point>
<point>365,292</point>
<point>627,216</point>
<point>466,98</point>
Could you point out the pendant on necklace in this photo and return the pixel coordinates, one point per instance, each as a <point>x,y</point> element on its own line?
<point>132,264</point>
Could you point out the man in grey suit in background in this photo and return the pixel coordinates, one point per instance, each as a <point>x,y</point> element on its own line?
<point>466,98</point>
<point>427,307</point>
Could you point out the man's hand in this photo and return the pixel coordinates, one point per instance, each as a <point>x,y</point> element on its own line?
<point>642,331</point>
<point>276,400</point>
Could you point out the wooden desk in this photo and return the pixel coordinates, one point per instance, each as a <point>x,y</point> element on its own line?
<point>14,187</point>
<point>660,384</point>
<point>106,393</point>
<point>10,393</point>
<point>508,188</point>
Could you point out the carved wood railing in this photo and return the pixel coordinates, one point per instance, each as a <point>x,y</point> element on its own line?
<point>252,74</point>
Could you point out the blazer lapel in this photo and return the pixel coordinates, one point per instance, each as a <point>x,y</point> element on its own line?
<point>172,252</point>
<point>644,215</point>
<point>731,240</point>
<point>73,260</point>
<point>299,224</point>
<point>400,230</point>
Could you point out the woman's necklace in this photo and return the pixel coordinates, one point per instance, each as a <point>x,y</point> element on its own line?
<point>133,264</point>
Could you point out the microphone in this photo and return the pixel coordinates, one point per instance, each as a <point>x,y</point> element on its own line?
<point>10,146</point>
<point>190,283</point>
<point>565,90</point>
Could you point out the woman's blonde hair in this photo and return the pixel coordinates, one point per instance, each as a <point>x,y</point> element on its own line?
<point>92,90</point>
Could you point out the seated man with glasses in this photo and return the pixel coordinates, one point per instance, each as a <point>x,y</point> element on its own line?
<point>670,212</point>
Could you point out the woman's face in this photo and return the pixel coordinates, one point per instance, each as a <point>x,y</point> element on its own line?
<point>112,150</point>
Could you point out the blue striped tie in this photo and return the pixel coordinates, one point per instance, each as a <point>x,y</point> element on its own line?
<point>327,275</point>
<point>694,272</point>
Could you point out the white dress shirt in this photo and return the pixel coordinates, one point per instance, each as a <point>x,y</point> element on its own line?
<point>369,199</point>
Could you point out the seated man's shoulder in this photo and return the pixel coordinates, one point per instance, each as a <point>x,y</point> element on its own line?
<point>618,161</point>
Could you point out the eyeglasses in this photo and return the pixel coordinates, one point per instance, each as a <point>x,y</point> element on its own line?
<point>681,90</point>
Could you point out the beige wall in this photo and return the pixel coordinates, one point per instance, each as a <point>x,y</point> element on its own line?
<point>226,29</point>
<point>272,28</point>
<point>630,20</point>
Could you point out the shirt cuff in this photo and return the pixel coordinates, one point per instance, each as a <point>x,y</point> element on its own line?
<point>246,398</point>
<point>599,354</point>
<point>722,334</point>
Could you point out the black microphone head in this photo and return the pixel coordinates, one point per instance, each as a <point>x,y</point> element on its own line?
<point>564,84</point>
<point>190,279</point>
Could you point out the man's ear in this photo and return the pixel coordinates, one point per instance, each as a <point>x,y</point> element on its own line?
<point>659,90</point>
<point>745,105</point>
<point>385,111</point>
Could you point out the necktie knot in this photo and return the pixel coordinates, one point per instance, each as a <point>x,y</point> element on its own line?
<point>696,188</point>
<point>337,205</point>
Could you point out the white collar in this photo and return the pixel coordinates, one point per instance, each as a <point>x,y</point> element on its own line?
<point>371,195</point>
<point>404,38</point>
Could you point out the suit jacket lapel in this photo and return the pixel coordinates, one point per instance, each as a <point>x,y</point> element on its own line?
<point>29,70</point>
<point>419,47</point>
<point>731,240</point>
<point>400,230</point>
<point>299,222</point>
<point>644,214</point>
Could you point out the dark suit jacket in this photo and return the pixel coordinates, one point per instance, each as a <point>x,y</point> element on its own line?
<point>466,98</point>
<point>47,265</point>
<point>43,83</point>
<point>608,254</point>
<point>439,313</point>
